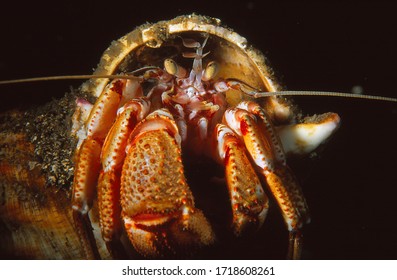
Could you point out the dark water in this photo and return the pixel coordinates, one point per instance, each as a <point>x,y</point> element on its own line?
<point>350,187</point>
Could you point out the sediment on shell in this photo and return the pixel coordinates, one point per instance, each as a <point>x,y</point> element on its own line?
<point>35,174</point>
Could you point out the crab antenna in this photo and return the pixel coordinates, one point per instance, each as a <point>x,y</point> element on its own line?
<point>68,77</point>
<point>322,93</point>
<point>255,93</point>
<point>205,41</point>
<point>127,76</point>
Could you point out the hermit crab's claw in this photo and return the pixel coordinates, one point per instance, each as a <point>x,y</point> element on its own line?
<point>157,205</point>
<point>161,235</point>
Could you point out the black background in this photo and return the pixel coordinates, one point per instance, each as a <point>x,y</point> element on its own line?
<point>350,187</point>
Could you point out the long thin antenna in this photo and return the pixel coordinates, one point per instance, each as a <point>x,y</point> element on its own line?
<point>252,93</point>
<point>322,93</point>
<point>68,77</point>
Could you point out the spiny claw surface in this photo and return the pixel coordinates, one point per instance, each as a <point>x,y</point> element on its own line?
<point>248,200</point>
<point>141,180</point>
<point>250,121</point>
<point>157,204</point>
<point>112,157</point>
<point>87,169</point>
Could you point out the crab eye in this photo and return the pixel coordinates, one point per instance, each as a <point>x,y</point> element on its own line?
<point>170,66</point>
<point>174,69</point>
<point>210,71</point>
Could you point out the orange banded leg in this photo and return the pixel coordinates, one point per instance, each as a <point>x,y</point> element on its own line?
<point>112,157</point>
<point>87,168</point>
<point>297,139</point>
<point>281,166</point>
<point>87,155</point>
<point>249,202</point>
<point>251,123</point>
<point>84,184</point>
<point>88,151</point>
<point>158,208</point>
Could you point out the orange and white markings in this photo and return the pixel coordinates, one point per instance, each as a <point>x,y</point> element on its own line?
<point>86,175</point>
<point>143,122</point>
<point>262,144</point>
<point>112,158</point>
<point>154,191</point>
<point>249,203</point>
<point>244,124</point>
<point>113,151</point>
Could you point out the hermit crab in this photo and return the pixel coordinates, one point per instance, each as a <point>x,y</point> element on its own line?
<point>131,140</point>
<point>187,87</point>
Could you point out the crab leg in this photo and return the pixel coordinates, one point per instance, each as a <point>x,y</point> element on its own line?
<point>157,205</point>
<point>249,202</point>
<point>87,160</point>
<point>85,178</point>
<point>250,122</point>
<point>88,165</point>
<point>112,157</point>
<point>88,151</point>
<point>277,108</point>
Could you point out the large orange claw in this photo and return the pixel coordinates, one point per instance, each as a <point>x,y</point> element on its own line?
<point>157,205</point>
